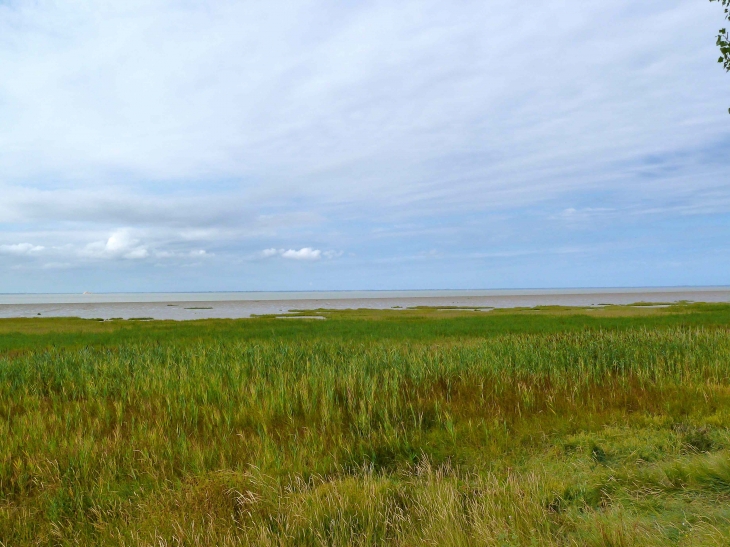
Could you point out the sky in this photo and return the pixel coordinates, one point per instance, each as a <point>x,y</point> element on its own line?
<point>328,145</point>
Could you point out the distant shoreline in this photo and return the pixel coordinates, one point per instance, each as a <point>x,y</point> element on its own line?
<point>241,305</point>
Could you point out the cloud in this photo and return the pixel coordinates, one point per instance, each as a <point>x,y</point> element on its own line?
<point>197,253</point>
<point>305,253</point>
<point>120,244</point>
<point>21,249</point>
<point>235,126</point>
<point>412,102</point>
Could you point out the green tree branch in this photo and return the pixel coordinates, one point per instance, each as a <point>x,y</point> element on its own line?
<point>723,39</point>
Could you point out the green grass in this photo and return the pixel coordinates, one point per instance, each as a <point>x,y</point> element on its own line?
<point>548,426</point>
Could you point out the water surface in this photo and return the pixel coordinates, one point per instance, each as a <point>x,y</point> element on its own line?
<point>181,306</point>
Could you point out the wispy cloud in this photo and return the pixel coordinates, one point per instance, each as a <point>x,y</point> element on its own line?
<point>21,249</point>
<point>142,133</point>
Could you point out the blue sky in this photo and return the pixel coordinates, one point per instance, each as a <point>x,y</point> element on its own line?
<point>195,146</point>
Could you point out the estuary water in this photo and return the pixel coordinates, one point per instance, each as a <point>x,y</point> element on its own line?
<point>206,305</point>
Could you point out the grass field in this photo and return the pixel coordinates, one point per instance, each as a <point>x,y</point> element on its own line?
<point>548,426</point>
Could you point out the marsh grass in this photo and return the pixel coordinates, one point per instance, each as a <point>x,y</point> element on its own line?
<point>412,430</point>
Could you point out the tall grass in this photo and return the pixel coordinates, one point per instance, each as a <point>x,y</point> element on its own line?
<point>337,441</point>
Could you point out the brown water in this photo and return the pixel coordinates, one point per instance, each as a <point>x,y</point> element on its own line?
<point>183,306</point>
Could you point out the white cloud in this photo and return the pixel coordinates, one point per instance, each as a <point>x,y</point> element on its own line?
<point>120,244</point>
<point>21,249</point>
<point>305,253</point>
<point>71,248</point>
<point>196,253</point>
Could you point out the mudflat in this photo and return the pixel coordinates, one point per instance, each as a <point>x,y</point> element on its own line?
<point>241,305</point>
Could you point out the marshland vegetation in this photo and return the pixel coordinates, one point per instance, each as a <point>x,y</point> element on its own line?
<point>548,426</point>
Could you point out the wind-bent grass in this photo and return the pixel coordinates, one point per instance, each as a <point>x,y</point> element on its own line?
<point>490,430</point>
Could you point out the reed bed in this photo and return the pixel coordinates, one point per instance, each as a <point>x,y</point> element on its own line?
<point>592,437</point>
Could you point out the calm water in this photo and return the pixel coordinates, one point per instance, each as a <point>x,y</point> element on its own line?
<point>244,304</point>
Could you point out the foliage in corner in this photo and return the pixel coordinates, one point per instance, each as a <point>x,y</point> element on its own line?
<point>723,39</point>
